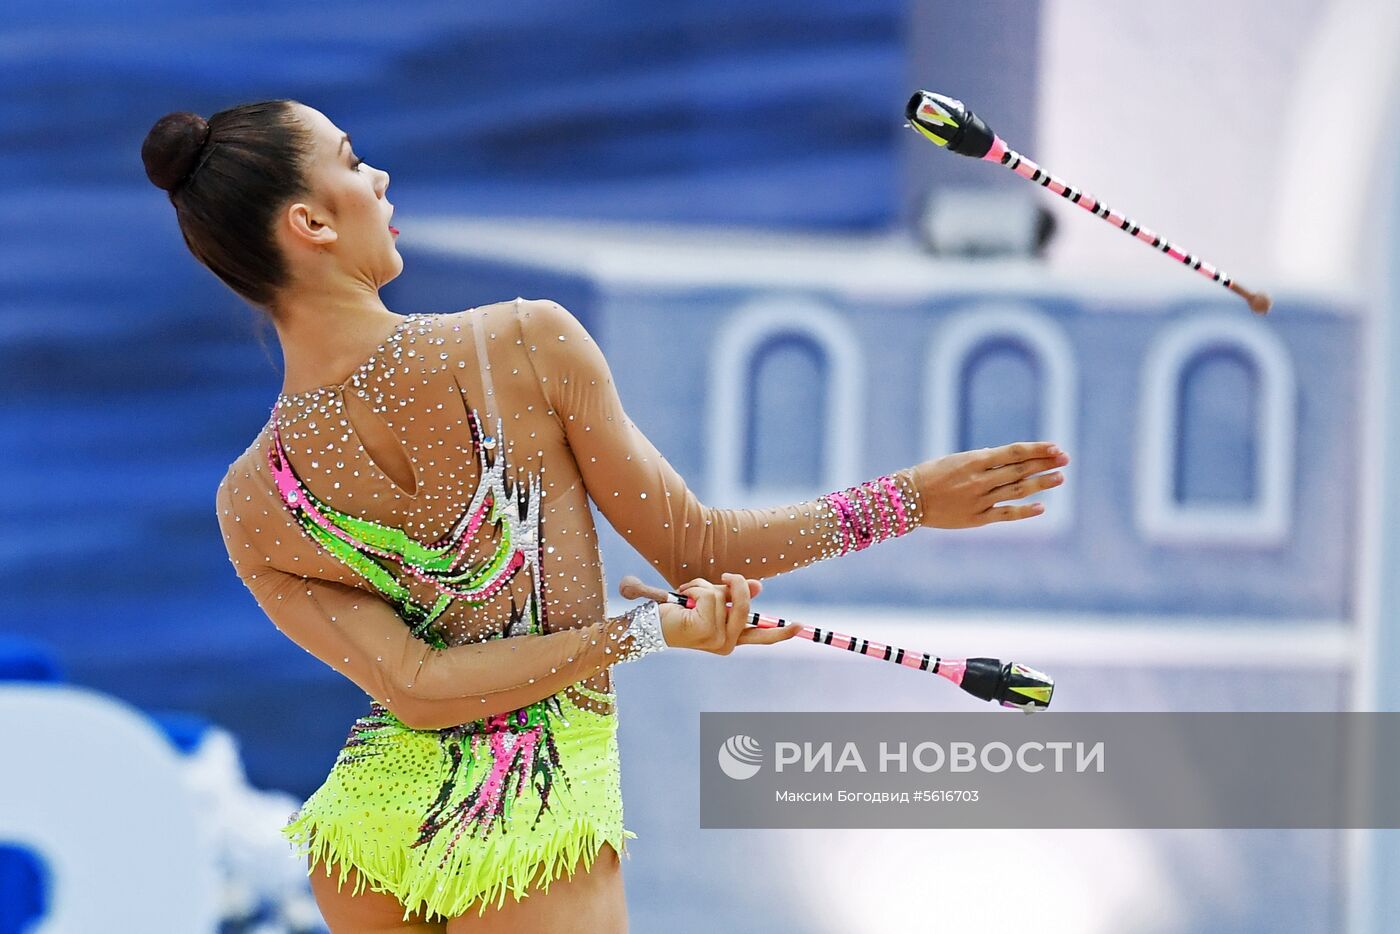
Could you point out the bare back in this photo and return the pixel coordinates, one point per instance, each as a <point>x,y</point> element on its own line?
<point>445,485</point>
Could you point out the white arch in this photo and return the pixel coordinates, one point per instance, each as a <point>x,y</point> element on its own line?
<point>959,338</point>
<point>1266,521</point>
<point>741,336</point>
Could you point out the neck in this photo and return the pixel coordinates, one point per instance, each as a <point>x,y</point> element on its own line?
<point>325,336</point>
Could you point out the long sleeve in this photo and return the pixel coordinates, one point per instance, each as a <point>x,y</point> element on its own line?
<point>650,505</point>
<point>361,636</point>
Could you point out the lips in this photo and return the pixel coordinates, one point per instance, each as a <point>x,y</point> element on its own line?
<point>393,230</point>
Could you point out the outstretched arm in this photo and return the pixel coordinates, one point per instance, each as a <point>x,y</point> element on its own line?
<point>650,505</point>
<point>361,636</point>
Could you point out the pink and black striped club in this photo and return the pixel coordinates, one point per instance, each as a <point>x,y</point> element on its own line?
<point>950,125</point>
<point>1010,684</point>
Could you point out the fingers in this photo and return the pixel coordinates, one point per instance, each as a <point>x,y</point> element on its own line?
<point>755,586</point>
<point>1011,513</point>
<point>1023,488</point>
<point>1015,453</point>
<point>709,606</point>
<point>761,635</point>
<point>1010,473</point>
<point>728,626</point>
<point>738,616</point>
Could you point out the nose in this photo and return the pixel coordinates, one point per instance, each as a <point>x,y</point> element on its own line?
<point>383,182</point>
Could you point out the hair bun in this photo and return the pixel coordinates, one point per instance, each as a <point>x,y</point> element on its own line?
<point>171,147</point>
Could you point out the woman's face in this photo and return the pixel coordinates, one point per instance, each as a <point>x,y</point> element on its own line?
<point>347,216</point>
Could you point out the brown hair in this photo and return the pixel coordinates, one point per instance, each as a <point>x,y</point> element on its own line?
<point>227,177</point>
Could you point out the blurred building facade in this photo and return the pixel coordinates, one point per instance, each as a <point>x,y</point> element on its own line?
<point>729,184</point>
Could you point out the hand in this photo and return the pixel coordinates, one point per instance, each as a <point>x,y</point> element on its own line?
<point>712,626</point>
<point>961,491</point>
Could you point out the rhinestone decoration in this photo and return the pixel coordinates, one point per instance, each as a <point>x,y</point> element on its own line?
<point>644,628</point>
<point>452,476</point>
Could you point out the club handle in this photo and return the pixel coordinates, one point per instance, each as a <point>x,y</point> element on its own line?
<point>632,588</point>
<point>1259,302</point>
<point>1009,684</point>
<point>948,123</point>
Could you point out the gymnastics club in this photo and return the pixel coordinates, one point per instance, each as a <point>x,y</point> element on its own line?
<point>1011,684</point>
<point>951,125</point>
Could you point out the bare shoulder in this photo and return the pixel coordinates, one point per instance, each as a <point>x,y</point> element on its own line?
<point>257,446</point>
<point>247,488</point>
<point>544,332</point>
<point>511,312</point>
<point>549,324</point>
<point>535,321</point>
<point>258,530</point>
<point>241,481</point>
<point>236,499</point>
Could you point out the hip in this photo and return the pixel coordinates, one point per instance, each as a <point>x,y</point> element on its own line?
<point>458,816</point>
<point>541,764</point>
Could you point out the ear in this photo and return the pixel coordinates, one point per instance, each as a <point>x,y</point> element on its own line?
<point>305,223</point>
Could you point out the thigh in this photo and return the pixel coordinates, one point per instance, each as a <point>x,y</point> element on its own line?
<point>366,913</point>
<point>588,902</point>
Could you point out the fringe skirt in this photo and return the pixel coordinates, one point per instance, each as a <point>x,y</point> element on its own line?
<point>448,819</point>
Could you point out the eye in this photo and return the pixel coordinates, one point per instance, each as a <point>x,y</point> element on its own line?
<point>355,166</point>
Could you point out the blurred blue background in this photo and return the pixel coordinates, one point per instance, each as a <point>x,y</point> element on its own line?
<point>735,179</point>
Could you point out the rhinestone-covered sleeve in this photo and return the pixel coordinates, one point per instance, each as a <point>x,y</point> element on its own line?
<point>650,505</point>
<point>361,635</point>
<point>857,517</point>
<point>644,635</point>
